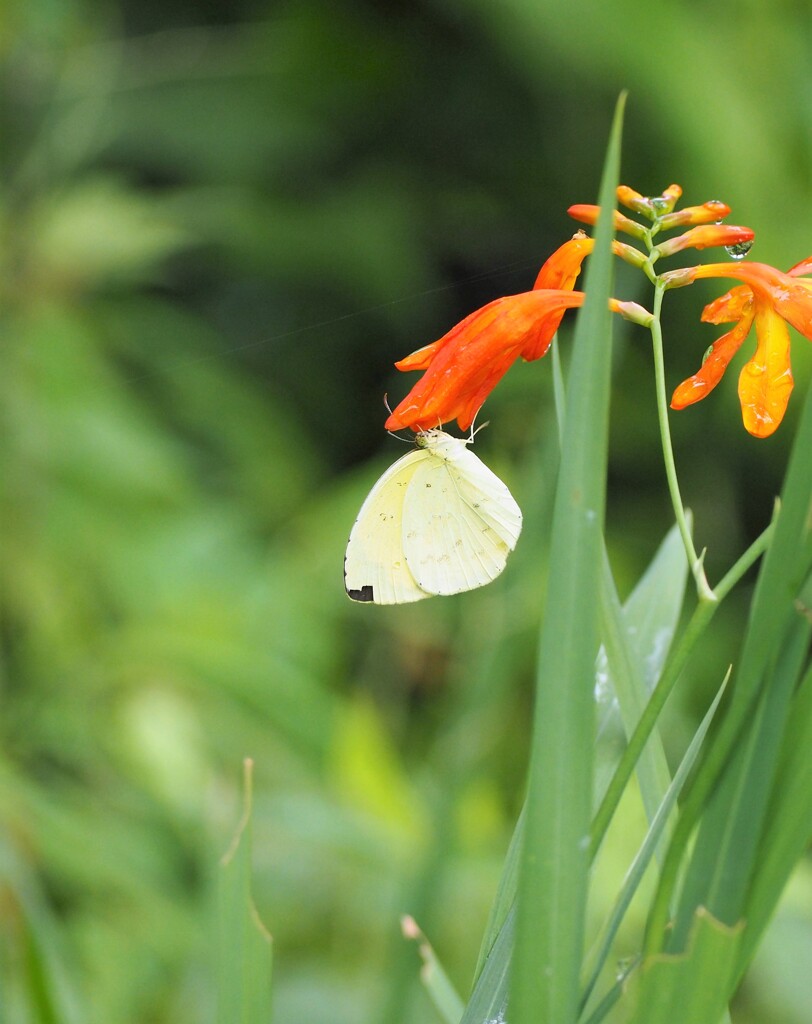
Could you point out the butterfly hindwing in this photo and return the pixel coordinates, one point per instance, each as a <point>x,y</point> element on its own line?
<point>460,520</point>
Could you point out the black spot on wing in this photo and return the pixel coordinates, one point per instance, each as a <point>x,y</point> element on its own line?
<point>364,594</point>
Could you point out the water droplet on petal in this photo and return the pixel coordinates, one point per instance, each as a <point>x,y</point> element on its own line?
<point>739,250</point>
<point>660,203</point>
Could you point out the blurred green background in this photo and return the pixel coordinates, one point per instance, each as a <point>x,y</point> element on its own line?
<point>220,225</point>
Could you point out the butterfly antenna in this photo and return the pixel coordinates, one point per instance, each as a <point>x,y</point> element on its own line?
<point>392,433</point>
<point>475,432</point>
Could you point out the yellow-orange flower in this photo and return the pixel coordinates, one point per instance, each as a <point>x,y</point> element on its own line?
<point>588,213</point>
<point>771,299</point>
<point>708,212</point>
<point>466,364</point>
<point>650,206</point>
<point>704,236</point>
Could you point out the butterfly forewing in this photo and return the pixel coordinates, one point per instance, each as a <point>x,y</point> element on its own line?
<point>374,567</point>
<point>453,539</point>
<point>487,495</point>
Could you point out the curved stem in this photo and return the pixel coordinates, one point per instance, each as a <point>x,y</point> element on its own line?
<point>704,591</point>
<point>702,615</point>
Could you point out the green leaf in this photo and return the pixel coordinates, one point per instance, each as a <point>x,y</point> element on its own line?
<point>690,986</point>
<point>788,824</point>
<point>634,875</point>
<point>555,861</point>
<point>489,1000</point>
<point>244,945</point>
<point>648,621</point>
<point>773,652</point>
<point>505,894</point>
<point>40,980</point>
<point>445,997</point>
<point>636,640</point>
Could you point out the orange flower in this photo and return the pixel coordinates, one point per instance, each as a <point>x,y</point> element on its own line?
<point>650,206</point>
<point>704,236</point>
<point>588,213</point>
<point>770,298</point>
<point>465,365</point>
<point>708,212</point>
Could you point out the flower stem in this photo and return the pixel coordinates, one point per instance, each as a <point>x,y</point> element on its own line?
<point>704,591</point>
<point>697,625</point>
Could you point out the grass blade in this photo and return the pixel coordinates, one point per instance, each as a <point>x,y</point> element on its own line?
<point>724,856</point>
<point>554,862</point>
<point>442,993</point>
<point>641,861</point>
<point>505,895</point>
<point>244,960</point>
<point>691,986</point>
<point>636,640</point>
<point>788,824</point>
<point>489,1000</point>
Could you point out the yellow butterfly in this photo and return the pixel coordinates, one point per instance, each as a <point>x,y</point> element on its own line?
<point>437,522</point>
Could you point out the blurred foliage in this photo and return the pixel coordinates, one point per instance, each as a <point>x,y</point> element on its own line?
<point>220,223</point>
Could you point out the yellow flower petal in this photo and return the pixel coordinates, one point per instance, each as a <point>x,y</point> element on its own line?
<point>765,382</point>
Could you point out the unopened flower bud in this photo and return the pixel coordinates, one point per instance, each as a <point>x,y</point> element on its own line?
<point>708,212</point>
<point>666,202</point>
<point>588,214</point>
<point>629,254</point>
<point>634,201</point>
<point>679,278</point>
<point>704,236</point>
<point>632,311</point>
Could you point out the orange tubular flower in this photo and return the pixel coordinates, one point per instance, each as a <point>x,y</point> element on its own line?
<point>704,214</point>
<point>705,236</point>
<point>633,200</point>
<point>769,298</point>
<point>650,206</point>
<point>587,213</point>
<point>465,365</point>
<point>561,270</point>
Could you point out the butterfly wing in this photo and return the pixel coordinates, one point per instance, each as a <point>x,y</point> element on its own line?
<point>374,567</point>
<point>460,522</point>
<point>482,489</point>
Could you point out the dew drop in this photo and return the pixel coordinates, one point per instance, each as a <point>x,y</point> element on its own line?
<point>661,204</point>
<point>738,251</point>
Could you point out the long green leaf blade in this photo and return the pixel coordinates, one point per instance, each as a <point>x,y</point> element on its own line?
<point>244,946</point>
<point>691,986</point>
<point>489,1000</point>
<point>440,989</point>
<point>637,869</point>
<point>724,855</point>
<point>636,640</point>
<point>788,824</point>
<point>554,864</point>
